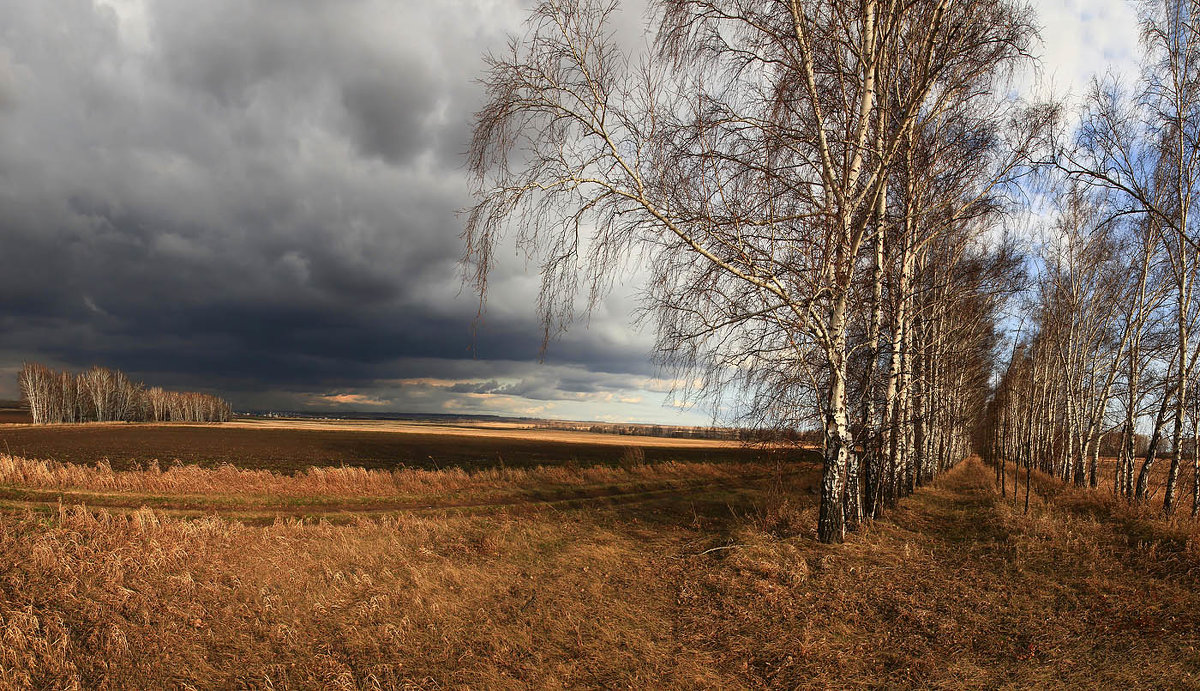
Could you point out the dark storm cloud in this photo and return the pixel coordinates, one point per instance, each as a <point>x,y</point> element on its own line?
<point>261,197</point>
<point>387,120</point>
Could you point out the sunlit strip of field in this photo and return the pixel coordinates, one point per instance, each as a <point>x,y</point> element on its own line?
<point>487,431</point>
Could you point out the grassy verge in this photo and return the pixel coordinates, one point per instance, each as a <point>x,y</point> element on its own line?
<point>718,587</point>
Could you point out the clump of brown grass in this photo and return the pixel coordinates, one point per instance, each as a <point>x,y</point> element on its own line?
<point>785,510</point>
<point>782,517</point>
<point>1061,511</point>
<point>778,561</point>
<point>632,457</point>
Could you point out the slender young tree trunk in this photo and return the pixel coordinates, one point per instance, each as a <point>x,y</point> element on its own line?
<point>1135,325</point>
<point>1119,468</point>
<point>1143,478</point>
<point>1176,459</point>
<point>897,394</point>
<point>1130,428</point>
<point>1181,53</point>
<point>1003,463</point>
<point>1195,463</point>
<point>1028,481</point>
<point>1029,442</point>
<point>1093,463</point>
<point>912,470</point>
<point>873,430</point>
<point>1069,459</point>
<point>1129,451</point>
<point>1180,389</point>
<point>831,523</point>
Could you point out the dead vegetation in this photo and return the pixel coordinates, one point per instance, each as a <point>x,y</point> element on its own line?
<point>351,481</point>
<point>957,587</point>
<point>346,494</point>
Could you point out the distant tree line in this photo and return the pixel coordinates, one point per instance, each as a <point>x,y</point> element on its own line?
<point>684,432</point>
<point>100,394</point>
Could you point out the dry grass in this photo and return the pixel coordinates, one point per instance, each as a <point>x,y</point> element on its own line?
<point>138,601</point>
<point>348,481</point>
<point>1157,481</point>
<point>956,588</point>
<point>98,599</point>
<point>343,494</point>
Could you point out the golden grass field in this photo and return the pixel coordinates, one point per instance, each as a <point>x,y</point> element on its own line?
<point>627,574</point>
<point>486,430</point>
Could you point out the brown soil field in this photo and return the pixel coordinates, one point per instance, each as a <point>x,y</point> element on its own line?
<point>291,445</point>
<point>14,416</point>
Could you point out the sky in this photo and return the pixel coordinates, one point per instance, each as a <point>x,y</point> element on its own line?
<point>260,200</point>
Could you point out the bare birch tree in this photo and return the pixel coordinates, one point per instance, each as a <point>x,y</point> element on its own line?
<point>746,157</point>
<point>1143,145</point>
<point>103,395</point>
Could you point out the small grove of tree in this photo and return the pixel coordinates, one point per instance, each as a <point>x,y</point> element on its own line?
<point>812,190</point>
<point>103,395</point>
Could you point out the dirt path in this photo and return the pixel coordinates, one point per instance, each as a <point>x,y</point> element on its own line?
<point>1058,596</point>
<point>956,588</point>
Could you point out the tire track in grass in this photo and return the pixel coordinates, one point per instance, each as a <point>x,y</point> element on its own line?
<point>260,509</point>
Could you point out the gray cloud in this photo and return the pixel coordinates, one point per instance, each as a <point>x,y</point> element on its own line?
<point>260,199</point>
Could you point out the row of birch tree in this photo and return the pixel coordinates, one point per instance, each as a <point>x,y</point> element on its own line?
<point>1111,342</point>
<point>811,195</point>
<point>100,394</point>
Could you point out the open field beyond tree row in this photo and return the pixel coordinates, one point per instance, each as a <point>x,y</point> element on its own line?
<point>290,446</point>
